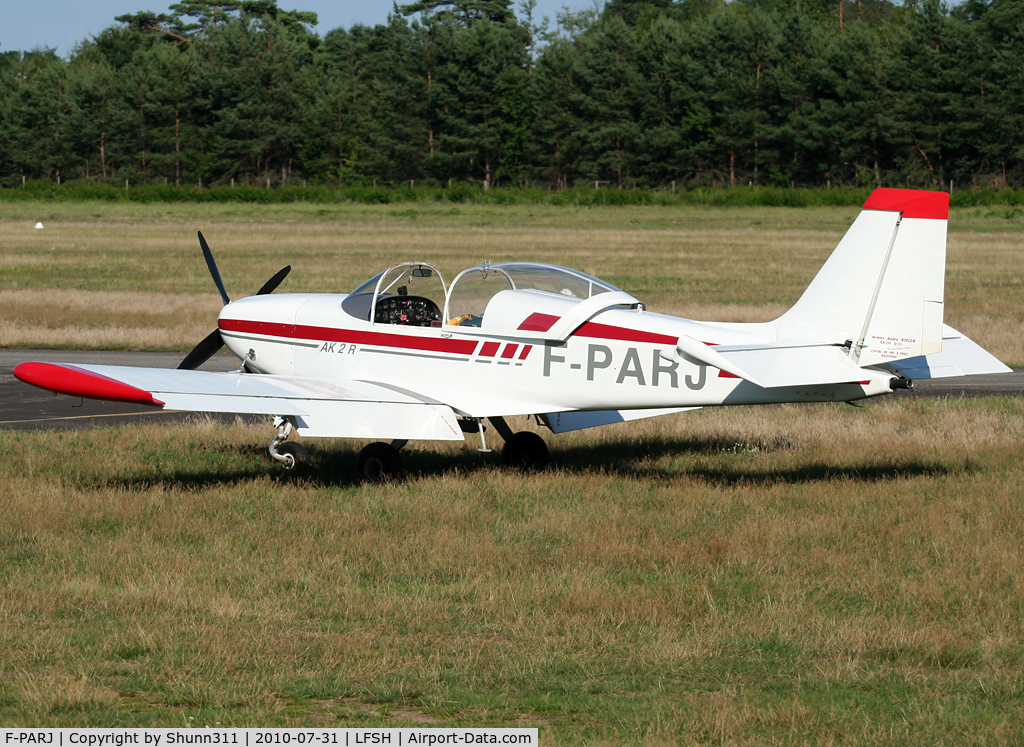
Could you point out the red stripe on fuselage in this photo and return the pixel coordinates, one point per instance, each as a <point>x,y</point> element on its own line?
<point>608,332</point>
<point>593,330</point>
<point>357,337</point>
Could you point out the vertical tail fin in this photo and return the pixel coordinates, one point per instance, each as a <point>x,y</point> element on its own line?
<point>882,288</point>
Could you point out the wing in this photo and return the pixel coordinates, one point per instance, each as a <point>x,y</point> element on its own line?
<point>321,409</point>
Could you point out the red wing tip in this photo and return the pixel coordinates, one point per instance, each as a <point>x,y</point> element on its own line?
<point>913,203</point>
<point>65,378</point>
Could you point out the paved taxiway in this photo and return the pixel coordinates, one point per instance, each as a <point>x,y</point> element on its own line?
<point>24,407</point>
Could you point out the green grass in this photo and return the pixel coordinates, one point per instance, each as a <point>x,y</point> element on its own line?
<point>776,575</point>
<point>407,193</point>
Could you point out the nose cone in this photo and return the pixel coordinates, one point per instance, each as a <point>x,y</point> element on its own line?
<point>256,322</point>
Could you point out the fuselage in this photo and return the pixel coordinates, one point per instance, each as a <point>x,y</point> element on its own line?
<point>620,358</point>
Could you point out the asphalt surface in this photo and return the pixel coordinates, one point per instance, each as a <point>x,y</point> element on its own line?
<point>24,407</point>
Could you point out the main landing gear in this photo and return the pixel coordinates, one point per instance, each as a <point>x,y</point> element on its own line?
<point>524,450</point>
<point>380,461</point>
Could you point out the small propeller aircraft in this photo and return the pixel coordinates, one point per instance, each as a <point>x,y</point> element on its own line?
<point>407,356</point>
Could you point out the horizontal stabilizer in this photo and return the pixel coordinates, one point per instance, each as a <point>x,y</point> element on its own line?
<point>699,352</point>
<point>960,356</point>
<point>773,365</point>
<point>778,366</point>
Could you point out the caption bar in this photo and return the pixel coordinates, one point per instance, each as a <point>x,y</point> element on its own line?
<point>262,737</point>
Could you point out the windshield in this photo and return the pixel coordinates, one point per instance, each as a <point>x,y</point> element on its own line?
<point>368,286</point>
<point>409,280</point>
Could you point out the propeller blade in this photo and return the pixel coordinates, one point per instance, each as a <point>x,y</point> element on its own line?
<point>213,269</point>
<point>203,351</point>
<point>270,285</point>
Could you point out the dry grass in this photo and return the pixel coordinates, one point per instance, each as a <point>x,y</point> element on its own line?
<point>113,320</point>
<point>775,575</point>
<point>128,263</point>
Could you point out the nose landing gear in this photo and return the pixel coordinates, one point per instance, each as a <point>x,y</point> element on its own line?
<point>290,454</point>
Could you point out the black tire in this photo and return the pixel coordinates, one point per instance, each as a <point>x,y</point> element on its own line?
<point>526,451</point>
<point>297,452</point>
<point>379,462</point>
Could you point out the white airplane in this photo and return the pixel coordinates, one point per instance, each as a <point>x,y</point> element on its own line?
<point>407,356</point>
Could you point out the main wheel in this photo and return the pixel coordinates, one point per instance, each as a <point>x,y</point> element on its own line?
<point>378,462</point>
<point>526,451</point>
<point>297,453</point>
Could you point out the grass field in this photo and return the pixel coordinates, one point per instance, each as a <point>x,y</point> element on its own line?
<point>776,575</point>
<point>787,575</point>
<point>131,276</point>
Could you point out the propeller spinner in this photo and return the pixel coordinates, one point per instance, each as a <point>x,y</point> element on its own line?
<point>214,341</point>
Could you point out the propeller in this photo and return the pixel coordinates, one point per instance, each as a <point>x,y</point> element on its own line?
<point>214,341</point>
<point>213,268</point>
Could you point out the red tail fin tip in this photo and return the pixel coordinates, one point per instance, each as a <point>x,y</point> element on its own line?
<point>913,203</point>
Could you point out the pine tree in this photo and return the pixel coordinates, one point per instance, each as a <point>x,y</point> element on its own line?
<point>39,129</point>
<point>610,95</point>
<point>257,91</point>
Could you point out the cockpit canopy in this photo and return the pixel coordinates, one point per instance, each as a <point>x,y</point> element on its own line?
<point>473,289</point>
<point>392,300</point>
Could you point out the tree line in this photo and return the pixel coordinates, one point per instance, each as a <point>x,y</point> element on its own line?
<point>641,93</point>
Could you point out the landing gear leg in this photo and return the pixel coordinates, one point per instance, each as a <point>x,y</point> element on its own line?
<point>290,454</point>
